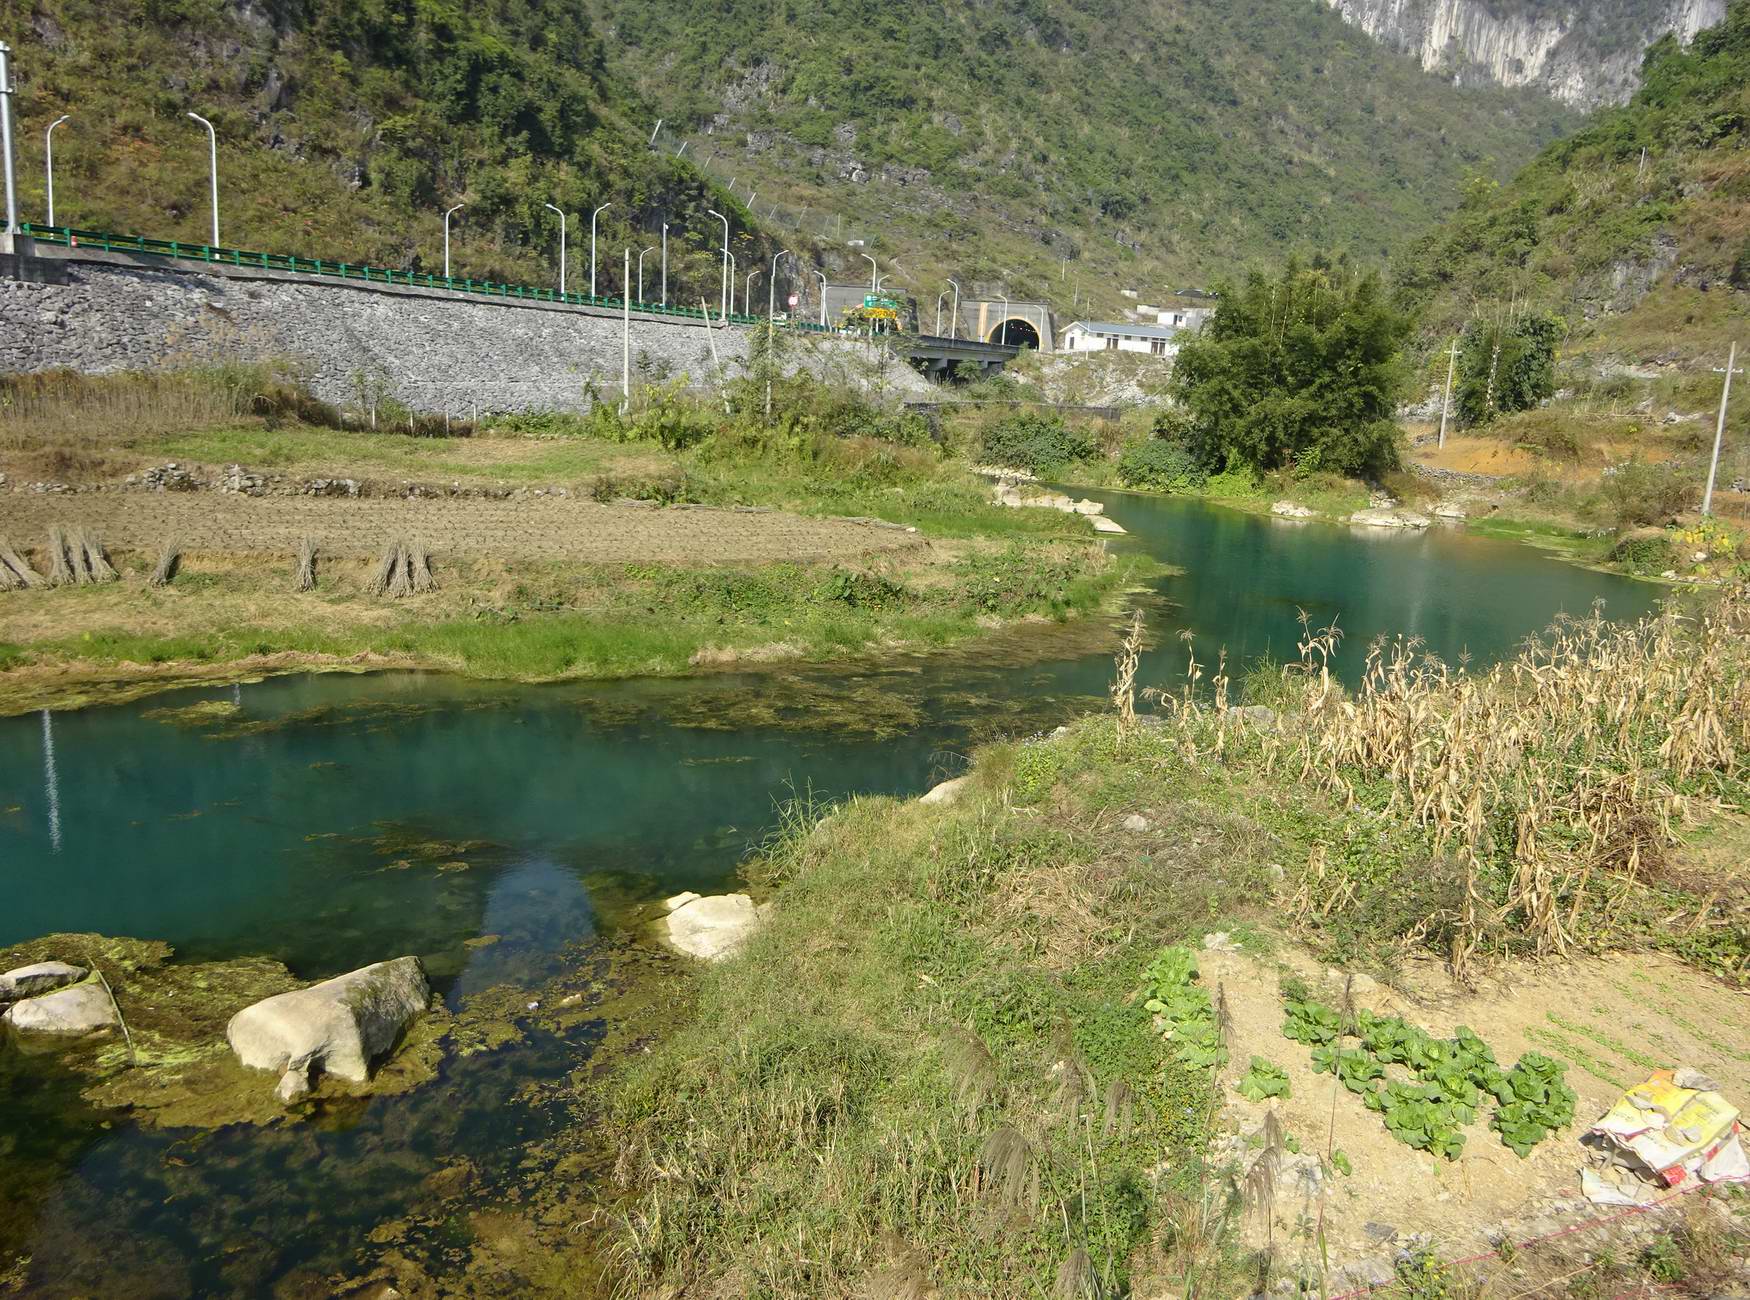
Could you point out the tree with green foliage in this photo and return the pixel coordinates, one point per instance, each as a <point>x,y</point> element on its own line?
<point>1302,370</point>
<point>1507,365</point>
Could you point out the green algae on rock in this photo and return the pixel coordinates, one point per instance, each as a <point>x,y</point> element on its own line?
<point>175,1068</point>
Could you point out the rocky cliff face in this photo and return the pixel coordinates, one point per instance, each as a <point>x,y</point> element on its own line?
<point>1582,52</point>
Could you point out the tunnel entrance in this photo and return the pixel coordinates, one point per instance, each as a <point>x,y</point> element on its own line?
<point>1016,333</point>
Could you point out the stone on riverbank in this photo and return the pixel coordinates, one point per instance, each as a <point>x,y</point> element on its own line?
<point>1449,510</point>
<point>80,1009</point>
<point>711,928</point>
<point>342,1026</point>
<point>946,793</point>
<point>37,978</point>
<point>1291,510</point>
<point>1383,518</point>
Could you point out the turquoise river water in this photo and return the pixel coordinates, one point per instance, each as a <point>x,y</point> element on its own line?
<point>269,832</point>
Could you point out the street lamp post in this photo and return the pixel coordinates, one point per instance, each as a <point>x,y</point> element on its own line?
<point>954,324</point>
<point>747,291</point>
<point>641,253</point>
<point>7,90</point>
<point>821,276</point>
<point>49,161</point>
<point>731,286</point>
<point>725,221</point>
<point>447,215</point>
<point>551,208</point>
<point>665,264</point>
<point>592,216</point>
<point>212,168</point>
<point>874,280</point>
<point>1003,324</point>
<point>939,298</point>
<point>771,326</point>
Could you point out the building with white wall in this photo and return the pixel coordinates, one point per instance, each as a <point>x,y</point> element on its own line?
<point>1116,336</point>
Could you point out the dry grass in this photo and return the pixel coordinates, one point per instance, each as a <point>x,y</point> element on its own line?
<point>1558,781</point>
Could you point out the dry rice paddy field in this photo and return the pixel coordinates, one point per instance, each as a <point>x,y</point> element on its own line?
<point>535,528</point>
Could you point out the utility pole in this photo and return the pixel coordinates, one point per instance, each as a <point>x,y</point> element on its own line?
<point>551,208</point>
<point>212,160</point>
<point>821,276</point>
<point>1707,501</point>
<point>1446,403</point>
<point>7,91</point>
<point>592,216</point>
<point>447,215</point>
<point>49,161</point>
<point>665,264</point>
<point>954,324</point>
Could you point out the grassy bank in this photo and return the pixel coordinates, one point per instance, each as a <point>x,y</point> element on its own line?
<point>965,1090</point>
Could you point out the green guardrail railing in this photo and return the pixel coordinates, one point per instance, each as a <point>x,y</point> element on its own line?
<point>109,242</point>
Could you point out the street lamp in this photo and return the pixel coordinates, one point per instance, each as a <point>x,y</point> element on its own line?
<point>747,291</point>
<point>213,169</point>
<point>725,221</point>
<point>954,324</point>
<point>1003,324</point>
<point>874,282</point>
<point>772,288</point>
<point>551,208</point>
<point>821,276</point>
<point>641,253</point>
<point>49,160</point>
<point>731,284</point>
<point>7,91</point>
<point>665,264</point>
<point>447,215</point>
<point>592,216</point>
<point>939,298</point>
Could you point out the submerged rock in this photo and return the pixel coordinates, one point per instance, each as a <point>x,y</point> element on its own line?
<point>81,1009</point>
<point>342,1026</point>
<point>711,928</point>
<point>38,977</point>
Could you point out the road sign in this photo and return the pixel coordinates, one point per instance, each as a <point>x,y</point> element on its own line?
<point>794,300</point>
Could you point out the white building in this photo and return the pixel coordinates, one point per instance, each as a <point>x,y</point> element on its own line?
<point>1115,336</point>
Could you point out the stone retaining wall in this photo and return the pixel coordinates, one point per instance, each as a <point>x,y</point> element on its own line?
<point>432,350</point>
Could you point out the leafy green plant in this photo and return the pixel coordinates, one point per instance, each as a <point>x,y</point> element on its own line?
<point>1340,1162</point>
<point>1038,442</point>
<point>1160,466</point>
<point>1535,1102</point>
<point>1416,1115</point>
<point>1170,991</point>
<point>1356,1069</point>
<point>1311,1022</point>
<point>1264,1079</point>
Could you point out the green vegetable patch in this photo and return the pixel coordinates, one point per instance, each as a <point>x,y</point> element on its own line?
<point>1184,1015</point>
<point>1441,1083</point>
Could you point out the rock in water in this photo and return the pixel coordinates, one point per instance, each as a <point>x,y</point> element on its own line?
<point>711,928</point>
<point>81,1009</point>
<point>42,977</point>
<point>341,1026</point>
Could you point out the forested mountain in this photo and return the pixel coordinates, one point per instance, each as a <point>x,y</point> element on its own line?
<point>1636,230</point>
<point>1152,141</point>
<point>1148,139</point>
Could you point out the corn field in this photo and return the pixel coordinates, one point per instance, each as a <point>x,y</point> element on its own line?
<point>1559,779</point>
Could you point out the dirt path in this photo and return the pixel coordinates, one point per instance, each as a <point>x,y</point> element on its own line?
<point>550,528</point>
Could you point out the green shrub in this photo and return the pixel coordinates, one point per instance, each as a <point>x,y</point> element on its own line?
<point>1160,466</point>
<point>1637,494</point>
<point>1645,553</point>
<point>1038,442</point>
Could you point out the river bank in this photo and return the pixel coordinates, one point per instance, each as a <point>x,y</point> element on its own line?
<point>969,1091</point>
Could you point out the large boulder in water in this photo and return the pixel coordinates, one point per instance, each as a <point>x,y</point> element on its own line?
<point>341,1026</point>
<point>38,977</point>
<point>80,1009</point>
